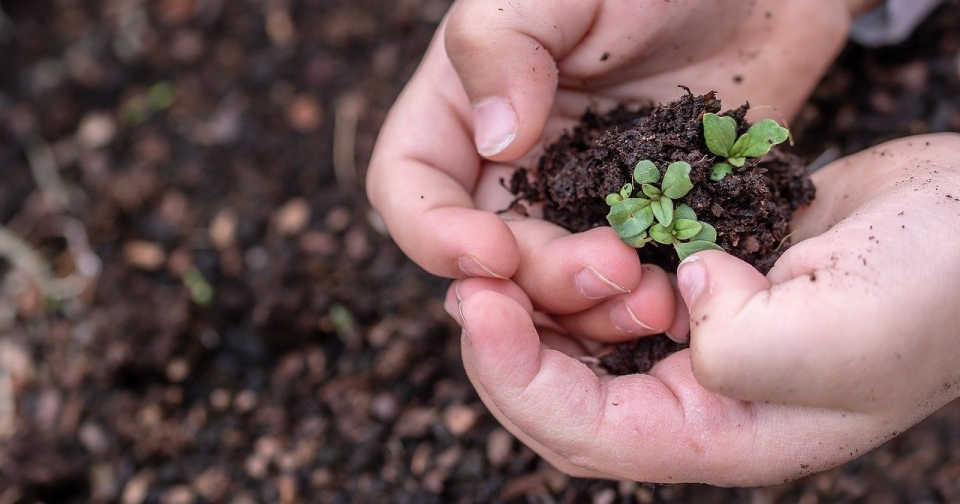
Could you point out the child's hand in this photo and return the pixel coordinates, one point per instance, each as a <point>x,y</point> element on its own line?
<point>502,77</point>
<point>849,340</point>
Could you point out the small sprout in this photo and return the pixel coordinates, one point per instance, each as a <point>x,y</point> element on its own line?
<point>654,216</point>
<point>720,133</point>
<point>201,292</point>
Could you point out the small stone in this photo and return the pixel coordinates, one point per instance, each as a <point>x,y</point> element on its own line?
<point>293,217</point>
<point>605,496</point>
<point>338,219</point>
<point>145,255</point>
<point>304,114</point>
<point>180,494</point>
<point>223,229</point>
<point>94,438</point>
<point>135,491</point>
<point>245,401</point>
<point>177,370</point>
<point>499,446</point>
<point>96,130</point>
<point>459,419</point>
<point>220,399</point>
<point>319,243</point>
<point>212,484</point>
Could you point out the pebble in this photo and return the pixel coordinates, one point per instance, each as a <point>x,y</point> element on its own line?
<point>212,484</point>
<point>415,422</point>
<point>293,217</point>
<point>135,491</point>
<point>223,228</point>
<point>180,494</point>
<point>499,446</point>
<point>96,130</point>
<point>459,418</point>
<point>94,438</point>
<point>338,219</point>
<point>304,114</point>
<point>148,256</point>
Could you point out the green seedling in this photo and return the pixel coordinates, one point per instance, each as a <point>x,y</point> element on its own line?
<point>720,133</point>
<point>653,214</point>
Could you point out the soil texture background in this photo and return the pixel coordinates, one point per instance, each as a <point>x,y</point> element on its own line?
<point>197,305</point>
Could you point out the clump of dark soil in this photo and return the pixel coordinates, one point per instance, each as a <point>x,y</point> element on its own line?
<point>750,208</point>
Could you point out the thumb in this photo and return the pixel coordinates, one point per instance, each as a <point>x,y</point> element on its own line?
<point>506,56</point>
<point>789,342</point>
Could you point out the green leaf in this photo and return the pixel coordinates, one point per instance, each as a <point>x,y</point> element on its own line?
<point>737,161</point>
<point>661,234</point>
<point>626,191</point>
<point>630,217</point>
<point>759,139</point>
<point>663,210</point>
<point>684,211</point>
<point>685,229</point>
<point>676,181</point>
<point>707,233</point>
<point>720,170</point>
<point>637,241</point>
<point>685,249</point>
<point>720,133</point>
<point>646,172</point>
<point>613,199</point>
<point>651,191</point>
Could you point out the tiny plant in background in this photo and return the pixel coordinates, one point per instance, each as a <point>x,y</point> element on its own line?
<point>652,215</point>
<point>720,133</point>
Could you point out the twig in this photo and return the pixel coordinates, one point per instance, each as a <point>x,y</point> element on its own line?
<point>28,261</point>
<point>7,407</point>
<point>346,118</point>
<point>46,174</point>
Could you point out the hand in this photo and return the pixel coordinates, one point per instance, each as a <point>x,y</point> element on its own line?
<point>848,341</point>
<point>501,78</point>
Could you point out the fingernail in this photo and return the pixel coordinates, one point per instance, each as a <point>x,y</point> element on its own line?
<point>495,124</point>
<point>691,279</point>
<point>593,285</point>
<point>473,267</point>
<point>624,320</point>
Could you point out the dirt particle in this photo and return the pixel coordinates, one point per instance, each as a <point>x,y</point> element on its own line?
<point>605,56</point>
<point>737,79</point>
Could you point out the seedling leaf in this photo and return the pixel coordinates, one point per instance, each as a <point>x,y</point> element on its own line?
<point>684,211</point>
<point>759,139</point>
<point>720,132</point>
<point>684,250</point>
<point>720,170</point>
<point>661,234</point>
<point>630,217</point>
<point>685,229</point>
<point>707,233</point>
<point>645,172</point>
<point>663,210</point>
<point>676,180</point>
<point>651,191</point>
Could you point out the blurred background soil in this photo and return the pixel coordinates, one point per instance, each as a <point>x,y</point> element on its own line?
<point>199,306</point>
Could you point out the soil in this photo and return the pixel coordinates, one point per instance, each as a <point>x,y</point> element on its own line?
<point>750,208</point>
<point>222,144</point>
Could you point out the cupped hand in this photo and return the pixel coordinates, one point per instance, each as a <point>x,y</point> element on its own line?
<point>848,341</point>
<point>501,78</point>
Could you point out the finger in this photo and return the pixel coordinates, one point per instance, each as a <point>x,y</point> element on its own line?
<point>843,309</point>
<point>648,309</point>
<point>566,273</point>
<point>505,54</point>
<point>422,173</point>
<point>662,427</point>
